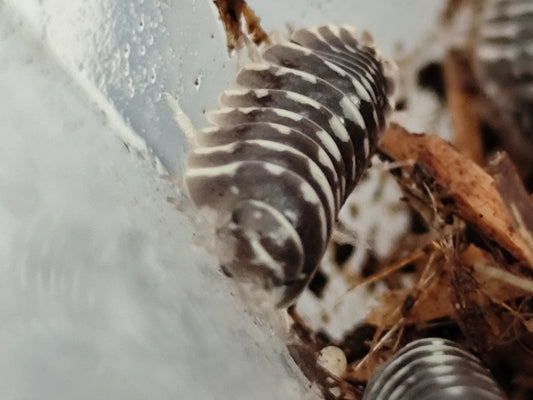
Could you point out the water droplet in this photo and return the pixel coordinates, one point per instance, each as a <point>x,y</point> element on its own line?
<point>131,88</point>
<point>142,50</point>
<point>153,75</point>
<point>198,81</point>
<point>141,24</point>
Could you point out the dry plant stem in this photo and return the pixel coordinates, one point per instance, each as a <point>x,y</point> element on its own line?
<point>428,300</point>
<point>494,281</point>
<point>500,275</point>
<point>389,269</point>
<point>468,190</point>
<point>434,302</point>
<point>460,94</point>
<point>383,273</point>
<point>363,370</point>
<point>253,25</point>
<point>231,13</point>
<point>396,319</point>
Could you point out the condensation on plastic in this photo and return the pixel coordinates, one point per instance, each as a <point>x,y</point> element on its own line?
<point>100,293</point>
<point>135,52</point>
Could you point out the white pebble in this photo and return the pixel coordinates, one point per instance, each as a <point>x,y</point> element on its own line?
<point>333,360</point>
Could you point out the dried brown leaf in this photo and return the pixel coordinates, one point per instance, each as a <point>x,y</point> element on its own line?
<point>458,185</point>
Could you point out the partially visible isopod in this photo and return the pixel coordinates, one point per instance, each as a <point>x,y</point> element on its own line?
<point>504,64</point>
<point>433,369</point>
<point>286,149</point>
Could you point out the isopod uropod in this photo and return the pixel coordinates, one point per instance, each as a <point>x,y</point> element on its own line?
<point>285,150</point>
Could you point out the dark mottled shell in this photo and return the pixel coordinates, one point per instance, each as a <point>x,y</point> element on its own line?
<point>285,151</point>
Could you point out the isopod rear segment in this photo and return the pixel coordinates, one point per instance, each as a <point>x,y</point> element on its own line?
<point>284,151</point>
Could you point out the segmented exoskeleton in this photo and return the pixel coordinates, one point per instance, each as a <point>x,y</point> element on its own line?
<point>433,368</point>
<point>285,151</point>
<point>504,64</point>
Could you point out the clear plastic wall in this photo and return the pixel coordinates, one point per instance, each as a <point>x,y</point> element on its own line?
<point>102,293</point>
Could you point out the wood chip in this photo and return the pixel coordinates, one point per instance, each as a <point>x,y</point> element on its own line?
<point>466,189</point>
<point>517,200</point>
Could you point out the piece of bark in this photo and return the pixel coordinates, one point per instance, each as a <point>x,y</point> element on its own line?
<point>457,185</point>
<point>461,93</point>
<point>515,197</point>
<point>473,310</point>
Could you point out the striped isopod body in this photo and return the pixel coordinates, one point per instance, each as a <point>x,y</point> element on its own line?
<point>286,149</point>
<point>433,369</point>
<point>504,63</point>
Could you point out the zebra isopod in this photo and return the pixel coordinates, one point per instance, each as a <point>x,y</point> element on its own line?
<point>504,61</point>
<point>285,149</point>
